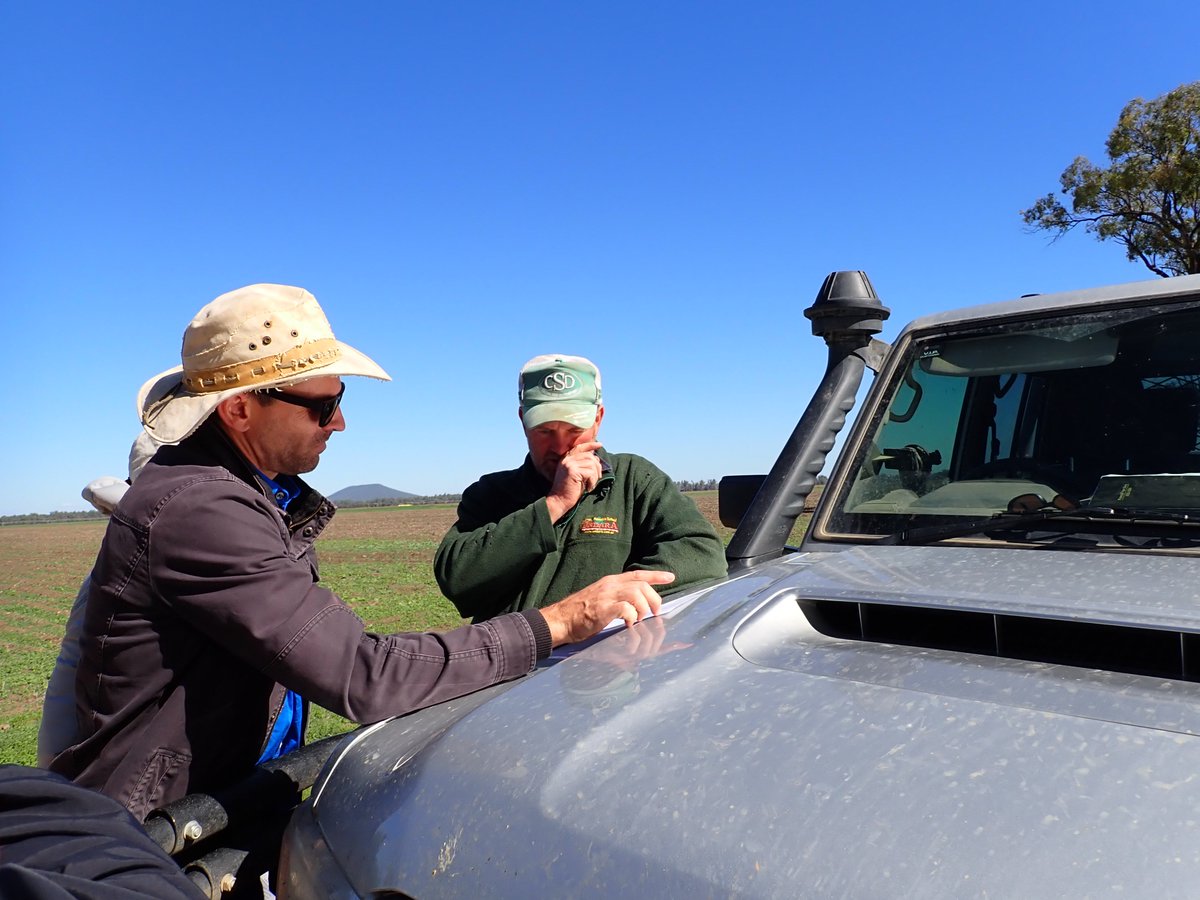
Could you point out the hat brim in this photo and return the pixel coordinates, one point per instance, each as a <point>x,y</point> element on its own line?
<point>581,415</point>
<point>169,413</point>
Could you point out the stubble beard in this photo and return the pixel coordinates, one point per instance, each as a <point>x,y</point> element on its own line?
<point>300,462</point>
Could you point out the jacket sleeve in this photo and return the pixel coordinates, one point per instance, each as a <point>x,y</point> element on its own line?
<point>227,568</point>
<point>484,561</point>
<point>672,534</point>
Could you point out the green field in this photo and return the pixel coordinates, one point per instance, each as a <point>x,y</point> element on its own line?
<point>377,559</point>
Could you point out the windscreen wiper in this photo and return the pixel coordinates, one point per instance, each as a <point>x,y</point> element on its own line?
<point>1150,516</point>
<point>1022,521</point>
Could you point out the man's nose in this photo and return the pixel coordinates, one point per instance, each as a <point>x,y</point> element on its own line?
<point>338,422</point>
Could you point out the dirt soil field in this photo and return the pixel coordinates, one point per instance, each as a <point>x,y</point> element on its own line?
<point>418,523</point>
<point>422,522</point>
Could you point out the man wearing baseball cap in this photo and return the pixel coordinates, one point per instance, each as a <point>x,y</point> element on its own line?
<point>207,630</point>
<point>572,512</point>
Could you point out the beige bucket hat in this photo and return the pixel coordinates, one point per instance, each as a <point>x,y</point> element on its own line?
<point>262,335</point>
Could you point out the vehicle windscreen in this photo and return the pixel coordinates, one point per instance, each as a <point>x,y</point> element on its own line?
<point>1094,411</point>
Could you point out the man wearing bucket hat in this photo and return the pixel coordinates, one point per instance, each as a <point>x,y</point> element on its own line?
<point>206,622</point>
<point>572,512</point>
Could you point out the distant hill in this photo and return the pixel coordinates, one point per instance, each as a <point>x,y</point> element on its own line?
<point>365,493</point>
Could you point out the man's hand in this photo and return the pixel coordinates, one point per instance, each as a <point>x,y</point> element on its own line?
<point>629,596</point>
<point>578,472</point>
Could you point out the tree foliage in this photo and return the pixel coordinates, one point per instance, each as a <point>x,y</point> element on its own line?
<point>1148,198</point>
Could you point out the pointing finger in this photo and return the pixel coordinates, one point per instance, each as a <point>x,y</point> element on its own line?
<point>650,576</point>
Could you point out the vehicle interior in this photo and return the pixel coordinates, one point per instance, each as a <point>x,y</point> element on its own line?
<point>1082,411</point>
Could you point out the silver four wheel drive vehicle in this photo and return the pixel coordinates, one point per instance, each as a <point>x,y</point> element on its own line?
<point>974,677</point>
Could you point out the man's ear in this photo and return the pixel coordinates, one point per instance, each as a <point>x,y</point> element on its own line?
<point>599,416</point>
<point>235,412</point>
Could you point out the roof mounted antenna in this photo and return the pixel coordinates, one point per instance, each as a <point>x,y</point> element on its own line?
<point>847,314</point>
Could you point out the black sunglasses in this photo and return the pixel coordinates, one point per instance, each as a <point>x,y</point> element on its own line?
<point>325,407</point>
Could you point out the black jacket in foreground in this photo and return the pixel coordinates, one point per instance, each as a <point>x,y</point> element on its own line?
<point>59,841</point>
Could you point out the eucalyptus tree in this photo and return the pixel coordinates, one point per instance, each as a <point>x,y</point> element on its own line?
<point>1147,197</point>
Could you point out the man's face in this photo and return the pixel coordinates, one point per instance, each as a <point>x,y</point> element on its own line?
<point>550,441</point>
<point>286,439</point>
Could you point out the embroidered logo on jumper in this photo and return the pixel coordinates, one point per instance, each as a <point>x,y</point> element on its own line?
<point>599,525</point>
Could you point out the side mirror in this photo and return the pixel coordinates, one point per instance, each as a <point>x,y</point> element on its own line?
<point>735,493</point>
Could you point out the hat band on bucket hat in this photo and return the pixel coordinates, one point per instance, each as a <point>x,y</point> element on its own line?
<point>313,355</point>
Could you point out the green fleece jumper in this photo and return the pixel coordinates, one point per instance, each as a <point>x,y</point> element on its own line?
<point>504,554</point>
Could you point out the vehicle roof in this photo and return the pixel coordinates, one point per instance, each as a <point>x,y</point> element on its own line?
<point>1155,289</point>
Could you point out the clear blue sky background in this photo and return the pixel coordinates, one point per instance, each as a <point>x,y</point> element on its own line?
<point>660,186</point>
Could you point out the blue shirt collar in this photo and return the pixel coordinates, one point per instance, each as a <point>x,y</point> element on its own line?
<point>284,488</point>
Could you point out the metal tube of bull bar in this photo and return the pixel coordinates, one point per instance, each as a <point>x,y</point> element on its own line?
<point>847,314</point>
<point>275,784</point>
<point>215,874</point>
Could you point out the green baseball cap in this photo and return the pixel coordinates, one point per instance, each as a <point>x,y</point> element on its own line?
<point>559,388</point>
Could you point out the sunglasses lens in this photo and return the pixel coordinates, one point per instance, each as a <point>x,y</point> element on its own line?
<point>329,408</point>
<point>325,408</point>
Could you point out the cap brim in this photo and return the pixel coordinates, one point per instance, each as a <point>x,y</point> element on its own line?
<point>169,413</point>
<point>581,415</point>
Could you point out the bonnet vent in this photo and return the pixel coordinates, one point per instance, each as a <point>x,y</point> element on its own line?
<point>1114,648</point>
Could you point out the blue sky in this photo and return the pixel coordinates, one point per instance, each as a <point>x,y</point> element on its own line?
<point>660,186</point>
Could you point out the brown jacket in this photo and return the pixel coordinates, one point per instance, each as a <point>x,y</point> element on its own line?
<point>206,604</point>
